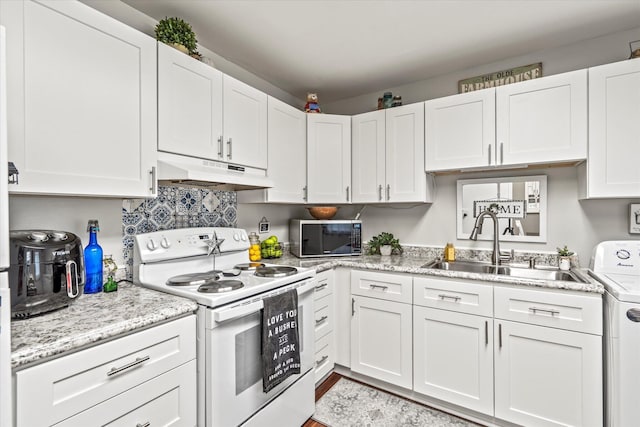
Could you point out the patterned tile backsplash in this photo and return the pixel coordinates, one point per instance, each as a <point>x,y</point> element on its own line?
<point>175,207</point>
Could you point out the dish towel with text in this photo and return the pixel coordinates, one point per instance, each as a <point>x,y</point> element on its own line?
<point>280,339</point>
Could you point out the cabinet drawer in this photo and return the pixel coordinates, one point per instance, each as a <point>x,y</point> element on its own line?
<point>557,309</point>
<point>324,285</point>
<point>323,316</point>
<point>464,297</point>
<point>325,357</point>
<point>167,400</point>
<point>70,384</point>
<point>391,287</point>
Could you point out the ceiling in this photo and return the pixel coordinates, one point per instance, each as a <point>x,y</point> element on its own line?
<point>342,49</point>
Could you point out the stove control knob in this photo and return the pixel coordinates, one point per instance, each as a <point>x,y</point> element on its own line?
<point>243,236</point>
<point>236,237</point>
<point>165,243</point>
<point>151,245</point>
<point>623,254</point>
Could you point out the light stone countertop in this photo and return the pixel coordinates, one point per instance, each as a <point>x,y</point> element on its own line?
<point>412,265</point>
<point>91,319</point>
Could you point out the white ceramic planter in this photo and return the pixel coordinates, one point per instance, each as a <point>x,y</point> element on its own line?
<point>385,250</point>
<point>565,263</point>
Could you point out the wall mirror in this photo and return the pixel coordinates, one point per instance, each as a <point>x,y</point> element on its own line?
<point>521,203</point>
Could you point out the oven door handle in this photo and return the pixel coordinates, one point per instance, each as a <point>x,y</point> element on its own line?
<point>243,310</point>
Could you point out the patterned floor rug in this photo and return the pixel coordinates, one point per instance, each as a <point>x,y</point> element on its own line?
<point>351,404</point>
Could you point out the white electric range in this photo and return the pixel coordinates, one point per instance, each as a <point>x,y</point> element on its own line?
<point>211,266</point>
<point>616,264</point>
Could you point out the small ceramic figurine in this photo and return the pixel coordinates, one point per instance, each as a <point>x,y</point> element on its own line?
<point>312,105</point>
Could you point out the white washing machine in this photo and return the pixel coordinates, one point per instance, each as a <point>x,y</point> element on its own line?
<point>616,264</point>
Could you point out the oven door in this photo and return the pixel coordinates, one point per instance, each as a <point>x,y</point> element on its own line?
<point>233,357</point>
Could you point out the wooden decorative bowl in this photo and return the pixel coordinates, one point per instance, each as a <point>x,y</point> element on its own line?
<point>323,212</point>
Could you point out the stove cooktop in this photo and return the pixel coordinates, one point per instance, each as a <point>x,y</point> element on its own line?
<point>183,253</point>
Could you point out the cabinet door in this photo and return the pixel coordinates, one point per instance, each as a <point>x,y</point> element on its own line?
<point>381,340</point>
<point>81,101</point>
<point>342,309</point>
<point>405,175</point>
<point>189,105</point>
<point>453,357</point>
<point>460,131</point>
<point>546,376</point>
<point>244,124</point>
<point>368,151</point>
<point>614,140</point>
<point>166,400</point>
<point>542,120</point>
<point>328,158</point>
<point>287,166</point>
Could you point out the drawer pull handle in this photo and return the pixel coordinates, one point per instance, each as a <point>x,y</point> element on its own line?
<point>147,424</point>
<point>535,310</point>
<point>322,319</point>
<point>322,360</point>
<point>136,362</point>
<point>486,332</point>
<point>455,298</point>
<point>384,288</point>
<point>321,287</point>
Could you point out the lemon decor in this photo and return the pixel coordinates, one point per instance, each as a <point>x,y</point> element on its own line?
<point>254,247</point>
<point>270,248</point>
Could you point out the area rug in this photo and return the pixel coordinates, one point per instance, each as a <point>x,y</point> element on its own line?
<point>351,404</point>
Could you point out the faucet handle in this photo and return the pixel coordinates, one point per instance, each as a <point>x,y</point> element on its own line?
<point>532,262</point>
<point>507,256</point>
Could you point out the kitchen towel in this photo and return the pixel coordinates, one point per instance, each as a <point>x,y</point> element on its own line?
<point>280,339</point>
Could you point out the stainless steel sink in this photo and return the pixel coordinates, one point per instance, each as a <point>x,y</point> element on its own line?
<point>507,270</point>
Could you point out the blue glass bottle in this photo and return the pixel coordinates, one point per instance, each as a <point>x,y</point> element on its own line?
<point>93,260</point>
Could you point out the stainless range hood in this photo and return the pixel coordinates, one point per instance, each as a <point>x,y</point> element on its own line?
<point>176,169</point>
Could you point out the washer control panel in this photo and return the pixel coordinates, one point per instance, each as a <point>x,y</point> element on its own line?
<point>616,257</point>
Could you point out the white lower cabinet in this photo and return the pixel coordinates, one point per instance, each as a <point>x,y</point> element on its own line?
<point>145,377</point>
<point>381,338</point>
<point>324,321</point>
<point>453,357</point>
<point>548,357</point>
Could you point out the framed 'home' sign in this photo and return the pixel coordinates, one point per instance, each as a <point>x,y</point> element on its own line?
<point>500,78</point>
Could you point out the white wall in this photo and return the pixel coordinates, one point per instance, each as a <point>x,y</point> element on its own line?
<point>588,53</point>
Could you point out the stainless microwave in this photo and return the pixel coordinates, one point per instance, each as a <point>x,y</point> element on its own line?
<point>316,238</point>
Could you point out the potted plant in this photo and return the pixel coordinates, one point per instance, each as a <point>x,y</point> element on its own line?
<point>383,244</point>
<point>177,33</point>
<point>564,255</point>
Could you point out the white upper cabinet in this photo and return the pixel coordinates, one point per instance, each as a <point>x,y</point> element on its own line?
<point>460,130</point>
<point>368,163</point>
<point>189,105</point>
<point>614,142</point>
<point>328,158</point>
<point>244,124</point>
<point>536,121</point>
<point>388,156</point>
<point>206,114</point>
<point>82,116</point>
<point>542,120</point>
<point>287,166</point>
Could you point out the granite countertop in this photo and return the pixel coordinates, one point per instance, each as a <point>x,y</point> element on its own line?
<point>412,264</point>
<point>90,319</point>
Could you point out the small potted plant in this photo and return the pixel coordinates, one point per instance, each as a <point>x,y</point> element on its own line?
<point>383,244</point>
<point>177,33</point>
<point>564,255</point>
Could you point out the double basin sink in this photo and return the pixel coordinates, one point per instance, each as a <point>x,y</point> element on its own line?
<point>550,274</point>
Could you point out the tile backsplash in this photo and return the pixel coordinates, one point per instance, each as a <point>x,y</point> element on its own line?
<point>175,207</point>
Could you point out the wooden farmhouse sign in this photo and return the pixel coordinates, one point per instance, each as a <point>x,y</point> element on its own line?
<point>502,208</point>
<point>501,78</point>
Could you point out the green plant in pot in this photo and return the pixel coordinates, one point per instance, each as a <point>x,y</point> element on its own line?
<point>564,258</point>
<point>176,32</point>
<point>383,244</point>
